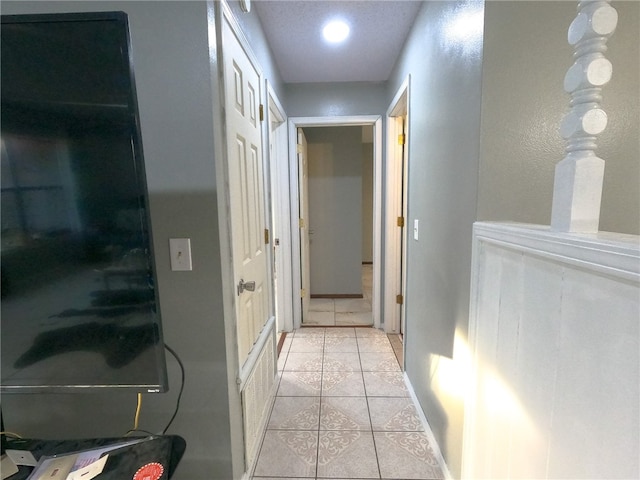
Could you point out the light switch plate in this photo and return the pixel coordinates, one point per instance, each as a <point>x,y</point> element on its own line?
<point>180,251</point>
<point>415,229</point>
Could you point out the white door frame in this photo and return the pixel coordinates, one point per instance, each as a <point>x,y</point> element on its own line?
<point>276,120</point>
<point>294,124</point>
<point>395,269</point>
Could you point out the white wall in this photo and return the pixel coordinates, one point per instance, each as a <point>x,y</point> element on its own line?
<point>335,209</point>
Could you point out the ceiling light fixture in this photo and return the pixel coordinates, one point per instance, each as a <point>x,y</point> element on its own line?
<point>335,31</point>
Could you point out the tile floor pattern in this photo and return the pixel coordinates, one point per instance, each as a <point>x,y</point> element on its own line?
<point>344,311</point>
<point>342,411</point>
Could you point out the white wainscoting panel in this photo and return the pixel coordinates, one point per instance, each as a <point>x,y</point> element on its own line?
<point>554,335</point>
<point>258,390</point>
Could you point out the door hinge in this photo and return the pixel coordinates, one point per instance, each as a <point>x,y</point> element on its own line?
<point>399,299</point>
<point>299,148</point>
<point>301,223</point>
<point>261,113</point>
<point>266,236</point>
<point>402,138</point>
<point>400,221</point>
<point>303,292</point>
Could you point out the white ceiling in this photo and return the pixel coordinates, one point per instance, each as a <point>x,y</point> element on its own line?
<point>294,32</point>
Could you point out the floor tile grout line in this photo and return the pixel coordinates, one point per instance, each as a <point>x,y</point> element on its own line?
<point>323,398</point>
<point>366,396</point>
<point>324,342</point>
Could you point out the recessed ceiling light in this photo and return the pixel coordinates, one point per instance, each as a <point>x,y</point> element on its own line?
<point>335,31</point>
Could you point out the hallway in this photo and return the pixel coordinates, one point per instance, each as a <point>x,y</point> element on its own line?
<point>342,411</point>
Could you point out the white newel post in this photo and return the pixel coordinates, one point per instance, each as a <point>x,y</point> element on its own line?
<point>577,190</point>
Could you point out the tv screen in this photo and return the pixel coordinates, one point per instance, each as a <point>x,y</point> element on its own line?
<point>79,294</point>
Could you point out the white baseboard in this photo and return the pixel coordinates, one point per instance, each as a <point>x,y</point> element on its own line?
<point>427,430</point>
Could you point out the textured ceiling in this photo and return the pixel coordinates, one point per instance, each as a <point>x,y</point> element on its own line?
<point>294,32</point>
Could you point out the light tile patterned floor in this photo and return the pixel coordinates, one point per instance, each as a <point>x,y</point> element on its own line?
<point>344,311</point>
<point>342,411</point>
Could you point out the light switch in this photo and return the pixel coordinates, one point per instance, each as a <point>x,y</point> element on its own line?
<point>415,229</point>
<point>180,251</point>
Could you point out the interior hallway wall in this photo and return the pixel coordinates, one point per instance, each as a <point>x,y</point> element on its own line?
<point>173,78</point>
<point>443,55</point>
<point>173,46</point>
<point>335,209</point>
<point>335,99</point>
<point>524,59</point>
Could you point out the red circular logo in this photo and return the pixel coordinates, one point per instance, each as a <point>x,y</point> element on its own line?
<point>150,471</point>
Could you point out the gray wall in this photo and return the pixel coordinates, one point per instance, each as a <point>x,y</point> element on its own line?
<point>335,99</point>
<point>523,102</point>
<point>250,25</point>
<point>524,59</point>
<point>178,103</point>
<point>444,134</point>
<point>335,209</point>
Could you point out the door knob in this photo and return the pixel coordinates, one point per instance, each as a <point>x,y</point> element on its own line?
<point>248,286</point>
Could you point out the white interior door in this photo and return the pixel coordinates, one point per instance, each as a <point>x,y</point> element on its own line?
<point>246,191</point>
<point>303,179</point>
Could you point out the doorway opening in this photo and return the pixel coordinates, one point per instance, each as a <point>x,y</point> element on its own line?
<point>338,185</point>
<point>280,210</point>
<point>305,235</point>
<point>396,177</point>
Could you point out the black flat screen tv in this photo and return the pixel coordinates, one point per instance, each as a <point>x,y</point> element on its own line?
<point>80,306</point>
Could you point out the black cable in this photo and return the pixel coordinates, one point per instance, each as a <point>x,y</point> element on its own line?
<point>175,355</point>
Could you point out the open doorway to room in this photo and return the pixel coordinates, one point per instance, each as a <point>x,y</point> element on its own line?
<point>334,223</point>
<point>280,212</point>
<point>396,230</point>
<point>339,203</point>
